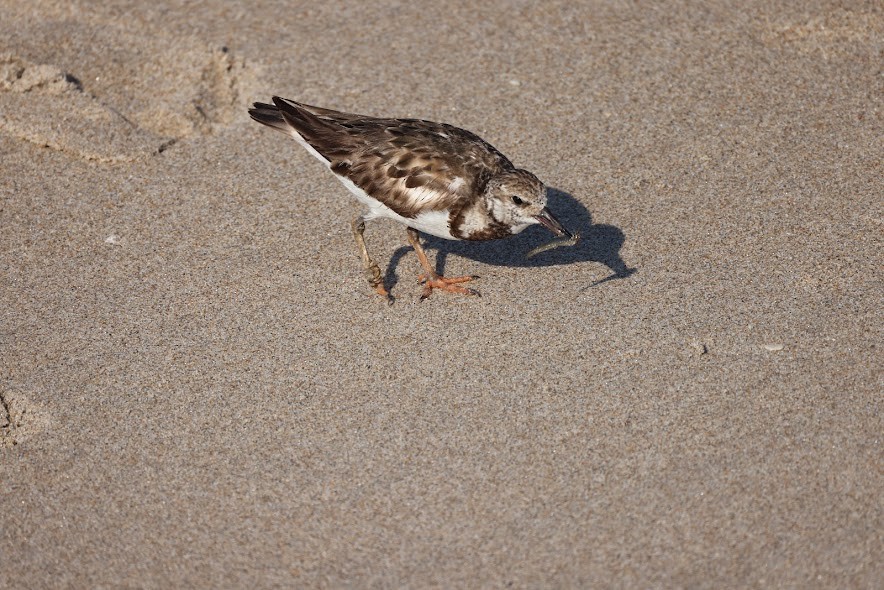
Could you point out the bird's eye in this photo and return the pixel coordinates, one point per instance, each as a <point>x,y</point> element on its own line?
<point>517,200</point>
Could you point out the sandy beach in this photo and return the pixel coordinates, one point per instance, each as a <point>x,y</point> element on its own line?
<point>199,389</point>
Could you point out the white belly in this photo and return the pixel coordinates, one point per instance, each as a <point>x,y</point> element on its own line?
<point>433,222</point>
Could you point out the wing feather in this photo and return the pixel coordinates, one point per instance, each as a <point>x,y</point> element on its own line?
<point>409,165</point>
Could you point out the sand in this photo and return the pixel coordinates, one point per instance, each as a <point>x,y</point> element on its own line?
<point>200,390</point>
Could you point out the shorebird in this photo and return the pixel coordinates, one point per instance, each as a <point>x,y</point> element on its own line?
<point>431,177</point>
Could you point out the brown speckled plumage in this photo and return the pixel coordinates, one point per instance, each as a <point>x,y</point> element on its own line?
<point>432,177</point>
<point>385,157</point>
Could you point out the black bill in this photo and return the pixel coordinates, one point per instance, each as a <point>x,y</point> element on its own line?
<point>548,221</point>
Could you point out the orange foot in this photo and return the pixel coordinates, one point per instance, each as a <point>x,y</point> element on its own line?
<point>380,290</point>
<point>451,285</point>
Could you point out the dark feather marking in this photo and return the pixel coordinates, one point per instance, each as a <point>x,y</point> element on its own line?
<point>388,157</point>
<point>341,168</point>
<point>494,229</point>
<point>396,172</point>
<point>267,114</point>
<point>415,181</point>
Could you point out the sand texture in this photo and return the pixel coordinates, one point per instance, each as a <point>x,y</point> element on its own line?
<point>198,388</point>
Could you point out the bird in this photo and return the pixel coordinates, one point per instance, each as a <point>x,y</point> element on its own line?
<point>431,177</point>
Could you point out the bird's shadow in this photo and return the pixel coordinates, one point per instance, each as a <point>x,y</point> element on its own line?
<point>598,243</point>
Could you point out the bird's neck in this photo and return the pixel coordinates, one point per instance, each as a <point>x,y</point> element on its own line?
<point>475,222</point>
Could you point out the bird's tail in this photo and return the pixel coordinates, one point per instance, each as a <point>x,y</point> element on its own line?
<point>305,122</point>
<point>268,114</point>
<point>321,132</point>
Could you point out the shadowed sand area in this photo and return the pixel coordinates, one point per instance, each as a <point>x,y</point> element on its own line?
<point>198,388</point>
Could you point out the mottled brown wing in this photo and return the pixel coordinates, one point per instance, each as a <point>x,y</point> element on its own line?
<point>409,165</point>
<point>414,166</point>
<point>332,115</point>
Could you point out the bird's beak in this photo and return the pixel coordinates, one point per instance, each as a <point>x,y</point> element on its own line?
<point>547,220</point>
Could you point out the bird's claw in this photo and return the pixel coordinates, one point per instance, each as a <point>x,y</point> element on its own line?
<point>451,285</point>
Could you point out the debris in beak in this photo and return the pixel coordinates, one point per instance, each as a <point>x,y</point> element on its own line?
<point>547,220</point>
<point>570,241</point>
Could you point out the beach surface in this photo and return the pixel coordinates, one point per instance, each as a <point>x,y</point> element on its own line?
<point>199,389</point>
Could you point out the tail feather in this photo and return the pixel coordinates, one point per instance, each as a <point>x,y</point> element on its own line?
<point>317,132</point>
<point>336,116</point>
<point>286,114</point>
<point>268,114</point>
<point>304,122</point>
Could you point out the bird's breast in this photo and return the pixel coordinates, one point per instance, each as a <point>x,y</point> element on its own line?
<point>475,223</point>
<point>435,223</point>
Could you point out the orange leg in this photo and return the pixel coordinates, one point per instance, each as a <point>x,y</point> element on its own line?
<point>430,279</point>
<point>375,278</point>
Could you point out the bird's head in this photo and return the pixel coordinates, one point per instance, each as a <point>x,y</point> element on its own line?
<point>517,198</point>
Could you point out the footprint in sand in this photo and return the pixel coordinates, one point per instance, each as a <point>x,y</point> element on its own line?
<point>145,102</point>
<point>45,105</point>
<point>20,418</point>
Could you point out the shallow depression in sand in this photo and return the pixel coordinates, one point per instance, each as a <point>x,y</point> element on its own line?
<point>144,101</point>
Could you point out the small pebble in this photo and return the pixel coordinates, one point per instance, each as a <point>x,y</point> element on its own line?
<point>699,347</point>
<point>774,347</point>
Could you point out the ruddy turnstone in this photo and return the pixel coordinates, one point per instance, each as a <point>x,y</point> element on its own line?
<point>431,177</point>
